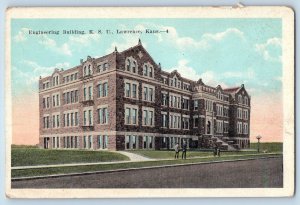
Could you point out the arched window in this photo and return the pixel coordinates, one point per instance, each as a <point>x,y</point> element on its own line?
<point>90,70</point>
<point>145,70</point>
<point>151,72</point>
<point>128,65</point>
<point>84,70</point>
<point>134,67</point>
<point>240,100</point>
<point>246,100</point>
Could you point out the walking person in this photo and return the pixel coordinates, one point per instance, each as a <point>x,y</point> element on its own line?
<point>219,152</point>
<point>184,147</point>
<point>176,148</point>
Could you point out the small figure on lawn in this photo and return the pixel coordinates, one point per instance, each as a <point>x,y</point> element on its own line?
<point>176,148</point>
<point>215,151</point>
<point>218,152</point>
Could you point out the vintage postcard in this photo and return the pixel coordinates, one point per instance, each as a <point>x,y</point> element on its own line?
<point>149,102</point>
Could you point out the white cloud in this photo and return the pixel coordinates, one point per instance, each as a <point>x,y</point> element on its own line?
<point>84,40</point>
<point>39,70</point>
<point>209,77</point>
<point>266,49</point>
<point>21,36</point>
<point>185,70</point>
<point>247,74</point>
<point>51,44</point>
<point>204,41</point>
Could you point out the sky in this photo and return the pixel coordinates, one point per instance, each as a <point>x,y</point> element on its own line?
<point>226,52</point>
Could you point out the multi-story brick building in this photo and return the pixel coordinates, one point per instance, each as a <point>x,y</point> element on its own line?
<point>124,100</point>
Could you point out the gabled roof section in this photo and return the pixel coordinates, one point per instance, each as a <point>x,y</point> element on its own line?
<point>175,73</point>
<point>141,47</point>
<point>232,90</point>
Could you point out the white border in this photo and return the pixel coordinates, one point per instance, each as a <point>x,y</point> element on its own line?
<point>287,16</point>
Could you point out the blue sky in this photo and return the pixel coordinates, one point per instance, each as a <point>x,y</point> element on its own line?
<point>228,52</point>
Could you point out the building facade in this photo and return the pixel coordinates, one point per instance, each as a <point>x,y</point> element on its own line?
<point>124,101</point>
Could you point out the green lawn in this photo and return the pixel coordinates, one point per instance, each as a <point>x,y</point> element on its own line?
<point>28,156</point>
<point>169,154</point>
<point>91,168</point>
<point>268,146</point>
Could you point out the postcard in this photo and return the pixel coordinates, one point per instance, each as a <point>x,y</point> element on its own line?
<point>119,102</point>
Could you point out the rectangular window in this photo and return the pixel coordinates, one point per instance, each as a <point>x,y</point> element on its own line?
<point>145,93</point>
<point>150,94</point>
<point>127,116</point>
<point>100,90</point>
<point>53,100</point>
<point>127,90</point>
<point>195,104</point>
<point>127,142</point>
<point>196,122</point>
<point>105,89</point>
<point>90,93</point>
<point>84,142</point>
<point>90,117</point>
<point>57,121</point>
<point>76,118</point>
<point>150,118</point>
<point>84,118</point>
<point>164,99</point>
<point>134,116</point>
<point>145,115</point>
<point>53,121</point>
<point>164,120</point>
<point>76,95</point>
<point>90,142</point>
<point>72,119</point>
<point>84,93</point>
<point>68,120</point>
<point>134,86</point>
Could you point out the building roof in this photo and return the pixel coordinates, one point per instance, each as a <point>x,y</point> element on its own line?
<point>232,90</point>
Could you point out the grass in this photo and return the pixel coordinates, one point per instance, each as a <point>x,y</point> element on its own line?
<point>268,146</point>
<point>169,154</point>
<point>92,168</point>
<point>29,156</point>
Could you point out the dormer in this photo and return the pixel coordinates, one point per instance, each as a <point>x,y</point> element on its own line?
<point>148,70</point>
<point>131,65</point>
<point>55,78</point>
<point>87,69</point>
<point>175,79</point>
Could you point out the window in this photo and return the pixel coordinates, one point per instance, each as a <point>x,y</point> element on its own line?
<point>100,90</point>
<point>90,92</point>
<point>102,141</point>
<point>102,115</point>
<point>148,116</point>
<point>239,128</point>
<point>134,67</point>
<point>226,127</point>
<point>127,116</point>
<point>134,90</point>
<point>53,121</point>
<point>185,122</point>
<point>246,100</point>
<point>151,72</point>
<point>219,126</point>
<point>148,93</point>
<point>226,111</point>
<point>195,104</point>
<point>245,128</point>
<point>185,104</point>
<point>134,116</point>
<point>164,120</point>
<point>164,99</point>
<point>145,73</point>
<point>128,65</point>
<point>219,110</point>
<point>208,105</point>
<point>145,93</point>
<point>175,120</point>
<point>76,118</point>
<point>240,99</point>
<point>131,90</point>
<point>127,90</point>
<point>239,113</point>
<point>196,121</point>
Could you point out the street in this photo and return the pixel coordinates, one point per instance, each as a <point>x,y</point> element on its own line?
<point>258,173</point>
